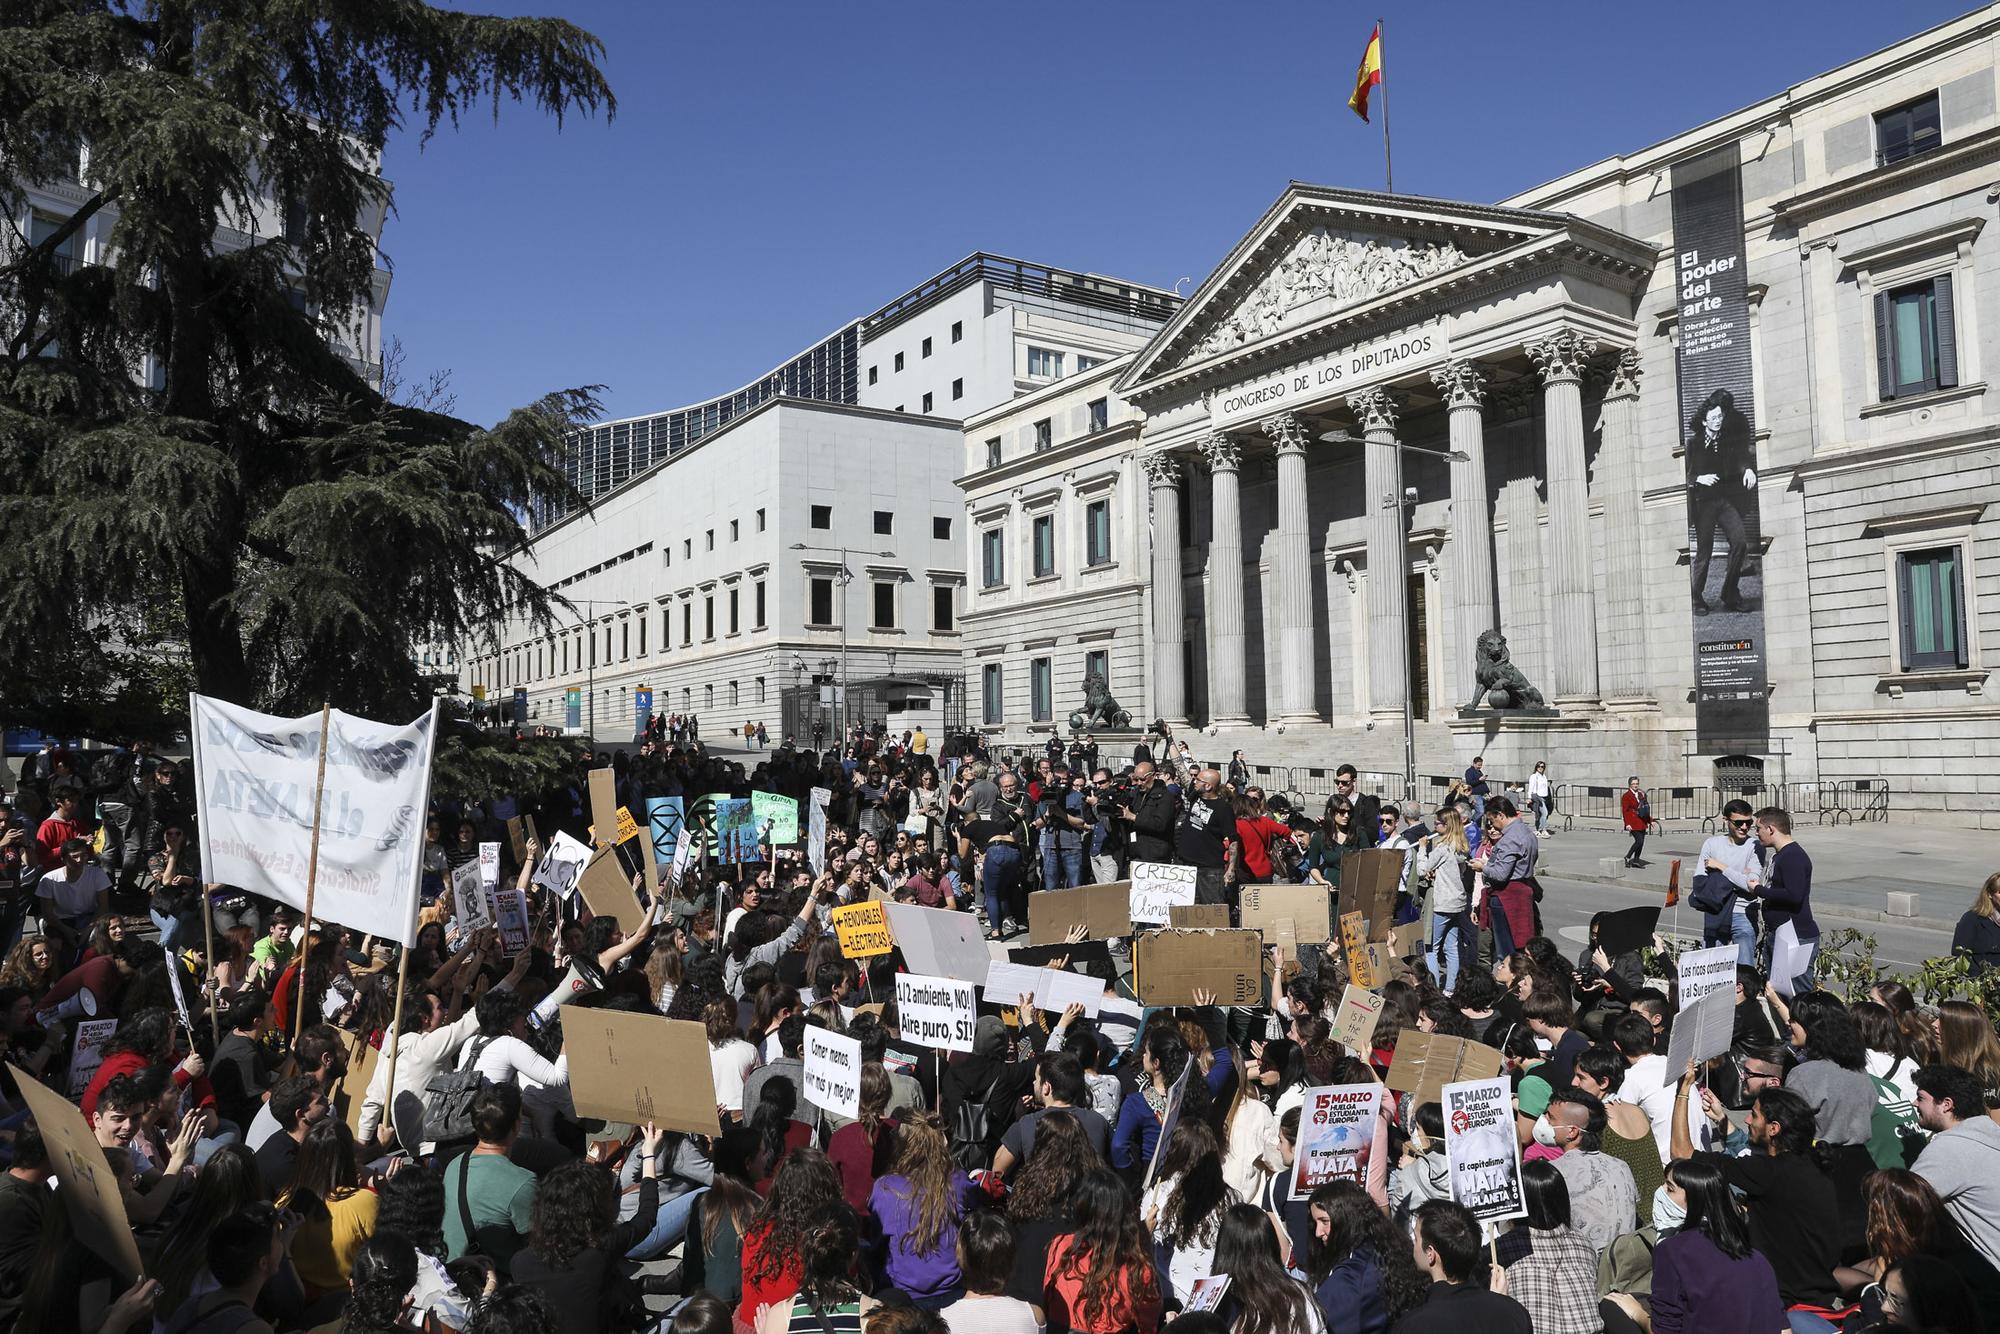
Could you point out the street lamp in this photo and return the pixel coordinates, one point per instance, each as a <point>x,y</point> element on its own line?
<point>590,655</point>
<point>1398,498</point>
<point>844,578</point>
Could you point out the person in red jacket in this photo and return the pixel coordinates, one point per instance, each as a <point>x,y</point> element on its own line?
<point>1638,813</point>
<point>147,1039</point>
<point>1255,831</point>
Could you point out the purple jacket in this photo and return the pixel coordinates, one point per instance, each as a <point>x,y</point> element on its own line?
<point>919,1273</point>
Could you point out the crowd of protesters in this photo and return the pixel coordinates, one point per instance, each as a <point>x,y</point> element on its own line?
<point>1839,1168</point>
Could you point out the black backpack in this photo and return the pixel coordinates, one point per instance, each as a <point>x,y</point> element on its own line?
<point>448,1099</point>
<point>967,1138</point>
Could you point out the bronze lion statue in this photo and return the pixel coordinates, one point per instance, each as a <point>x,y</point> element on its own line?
<point>1501,685</point>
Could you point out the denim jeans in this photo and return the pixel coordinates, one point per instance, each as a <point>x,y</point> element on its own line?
<point>1743,933</point>
<point>176,933</point>
<point>1452,942</point>
<point>1002,878</point>
<point>1062,868</point>
<point>1541,808</point>
<point>669,1227</point>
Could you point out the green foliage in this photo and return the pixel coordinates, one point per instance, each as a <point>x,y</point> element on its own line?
<point>209,486</point>
<point>1848,968</point>
<point>474,765</point>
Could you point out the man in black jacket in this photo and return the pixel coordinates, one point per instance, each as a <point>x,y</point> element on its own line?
<point>1447,1245</point>
<point>1152,812</point>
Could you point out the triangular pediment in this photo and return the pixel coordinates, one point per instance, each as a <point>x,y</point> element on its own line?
<point>1319,251</point>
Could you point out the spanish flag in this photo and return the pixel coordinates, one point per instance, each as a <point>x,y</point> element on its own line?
<point>1369,75</point>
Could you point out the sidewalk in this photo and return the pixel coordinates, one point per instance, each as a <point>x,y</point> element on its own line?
<point>1855,867</point>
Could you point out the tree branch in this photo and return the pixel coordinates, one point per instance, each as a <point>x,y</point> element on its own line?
<point>268,549</point>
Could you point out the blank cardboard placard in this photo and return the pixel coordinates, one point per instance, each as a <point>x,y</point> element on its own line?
<point>1426,1062</point>
<point>1199,916</point>
<point>603,806</point>
<point>1368,883</point>
<point>609,894</point>
<point>1104,911</point>
<point>640,1068</point>
<point>96,1209</point>
<point>1264,906</point>
<point>1172,965</point>
<point>517,834</point>
<point>940,943</point>
<point>354,1084</point>
<point>1407,941</point>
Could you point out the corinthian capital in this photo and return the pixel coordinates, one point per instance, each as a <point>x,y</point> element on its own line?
<point>1624,375</point>
<point>1287,432</point>
<point>1162,470</point>
<point>1461,382</point>
<point>1222,453</point>
<point>1374,408</point>
<point>1561,355</point>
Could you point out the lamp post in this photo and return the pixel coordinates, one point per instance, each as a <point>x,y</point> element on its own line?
<point>589,624</point>
<point>843,579</point>
<point>1405,501</point>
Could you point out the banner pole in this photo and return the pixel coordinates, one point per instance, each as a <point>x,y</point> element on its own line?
<point>312,876</point>
<point>208,958</point>
<point>394,1040</point>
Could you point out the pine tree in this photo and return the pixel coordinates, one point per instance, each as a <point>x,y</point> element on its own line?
<point>259,522</point>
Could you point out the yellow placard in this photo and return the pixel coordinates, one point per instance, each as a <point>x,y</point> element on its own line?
<point>628,828</point>
<point>1360,959</point>
<point>863,929</point>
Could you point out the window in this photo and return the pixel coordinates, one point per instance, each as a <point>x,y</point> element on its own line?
<point>874,374</point>
<point>708,699</point>
<point>1097,662</point>
<point>993,452</point>
<point>687,548</point>
<point>687,624</point>
<point>666,628</point>
<point>1097,533</point>
<point>957,390</point>
<point>1916,342</point>
<point>760,690</point>
<point>708,617</point>
<point>1084,363</point>
<point>1044,543</point>
<point>1907,131</point>
<point>733,698</point>
<point>822,516</point>
<point>941,528</point>
<point>958,331</point>
<point>1100,413</point>
<point>885,521</point>
<point>735,619</point>
<point>885,605</point>
<point>667,557</point>
<point>992,558</point>
<point>927,347</point>
<point>928,399</point>
<point>1044,434</point>
<point>1041,690</point>
<point>1044,363</point>
<point>643,619</point>
<point>992,705</point>
<point>711,539</point>
<point>735,527</point>
<point>760,521</point>
<point>899,361</point>
<point>1930,585</point>
<point>757,605</point>
<point>943,609</point>
<point>624,641</point>
<point>821,610</point>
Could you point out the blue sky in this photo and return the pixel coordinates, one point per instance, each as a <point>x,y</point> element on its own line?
<point>778,168</point>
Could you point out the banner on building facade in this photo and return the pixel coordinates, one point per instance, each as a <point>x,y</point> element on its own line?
<point>572,710</point>
<point>1718,415</point>
<point>520,706</point>
<point>642,707</point>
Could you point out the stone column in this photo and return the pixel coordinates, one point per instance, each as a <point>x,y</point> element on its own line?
<point>1163,472</point>
<point>1228,677</point>
<point>1291,573</point>
<point>1470,598</point>
<point>1388,552</point>
<point>1572,597</point>
<point>1627,667</point>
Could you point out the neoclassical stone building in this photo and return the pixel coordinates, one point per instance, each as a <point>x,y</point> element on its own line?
<point>1702,430</point>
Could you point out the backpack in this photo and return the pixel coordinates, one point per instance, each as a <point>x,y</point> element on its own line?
<point>448,1099</point>
<point>967,1137</point>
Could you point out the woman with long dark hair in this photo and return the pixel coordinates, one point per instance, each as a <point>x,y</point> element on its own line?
<point>574,1249</point>
<point>1262,1297</point>
<point>712,1257</point>
<point>339,1215</point>
<point>410,1204</point>
<point>1832,1078</point>
<point>1100,1278</point>
<point>865,1148</point>
<point>919,1205</point>
<point>1363,1273</point>
<point>804,1194</point>
<point>1162,1057</point>
<point>1906,1217</point>
<point>827,1300</point>
<point>385,1271</point>
<point>1040,1204</point>
<point>1183,1207</point>
<point>1706,1277</point>
<point>775,1129</point>
<point>1551,1267</point>
<point>227,1182</point>
<point>1917,1028</point>
<point>987,1249</point>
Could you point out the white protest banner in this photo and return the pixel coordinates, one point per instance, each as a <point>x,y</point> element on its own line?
<point>1702,1031</point>
<point>940,942</point>
<point>510,907</point>
<point>833,1072</point>
<point>816,828</point>
<point>1703,971</point>
<point>562,865</point>
<point>1067,989</point>
<point>936,1011</point>
<point>87,1053</point>
<point>1337,1128</point>
<point>1481,1152</point>
<point>468,897</point>
<point>1156,887</point>
<point>489,863</point>
<point>257,781</point>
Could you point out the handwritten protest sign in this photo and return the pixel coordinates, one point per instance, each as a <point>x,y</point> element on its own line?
<point>1481,1151</point>
<point>489,863</point>
<point>736,831</point>
<point>781,813</point>
<point>832,1072</point>
<point>936,1011</point>
<point>87,1188</point>
<point>1354,1021</point>
<point>863,929</point>
<point>510,911</point>
<point>640,1068</point>
<point>468,897</point>
<point>1361,960</point>
<point>1337,1129</point>
<point>1157,887</point>
<point>628,828</point>
<point>1263,907</point>
<point>1703,971</point>
<point>562,864</point>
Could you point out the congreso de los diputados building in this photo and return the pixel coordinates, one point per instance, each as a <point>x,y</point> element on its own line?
<point>1682,465</point>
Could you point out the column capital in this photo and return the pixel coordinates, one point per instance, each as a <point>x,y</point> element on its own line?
<point>1624,375</point>
<point>1287,433</point>
<point>1561,356</point>
<point>1462,382</point>
<point>1221,453</point>
<point>1375,408</point>
<point>1162,470</point>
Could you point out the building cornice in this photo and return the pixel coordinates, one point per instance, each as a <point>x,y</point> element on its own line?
<point>1897,177</point>
<point>1013,471</point>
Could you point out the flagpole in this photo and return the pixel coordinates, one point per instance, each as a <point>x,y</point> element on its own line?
<point>1382,67</point>
<point>312,877</point>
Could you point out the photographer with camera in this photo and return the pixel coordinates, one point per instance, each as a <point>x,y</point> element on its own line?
<point>1151,811</point>
<point>1108,832</point>
<point>1060,822</point>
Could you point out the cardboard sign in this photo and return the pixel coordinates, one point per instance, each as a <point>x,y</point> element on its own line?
<point>640,1068</point>
<point>1264,906</point>
<point>1354,1021</point>
<point>1337,1129</point>
<point>562,864</point>
<point>832,1072</point>
<point>1104,911</point>
<point>1157,887</point>
<point>1369,880</point>
<point>1704,971</point>
<point>779,813</point>
<point>936,1012</point>
<point>628,828</point>
<point>517,834</point>
<point>353,1090</point>
<point>863,929</point>
<point>1407,941</point>
<point>1361,968</point>
<point>1626,930</point>
<point>468,897</point>
<point>685,853</point>
<point>1170,966</point>
<point>603,805</point>
<point>609,894</point>
<point>87,1052</point>
<point>510,913</point>
<point>1198,916</point>
<point>1481,1150</point>
<point>940,942</point>
<point>96,1209</point>
<point>1426,1062</point>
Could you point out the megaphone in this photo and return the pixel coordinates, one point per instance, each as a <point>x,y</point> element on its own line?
<point>83,1005</point>
<point>581,979</point>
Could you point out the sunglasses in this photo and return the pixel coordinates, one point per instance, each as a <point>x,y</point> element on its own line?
<point>1741,824</point>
